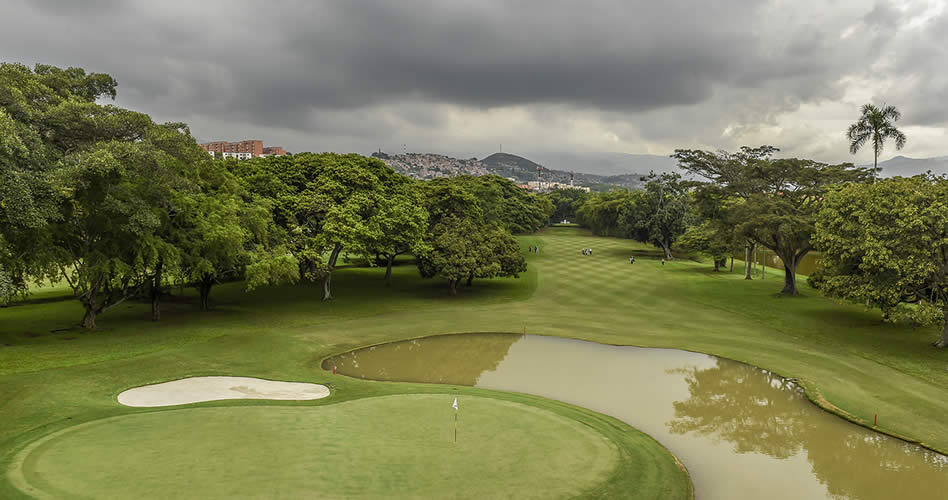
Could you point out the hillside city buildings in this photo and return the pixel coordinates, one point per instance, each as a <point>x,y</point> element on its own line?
<point>429,166</point>
<point>242,150</point>
<point>549,186</point>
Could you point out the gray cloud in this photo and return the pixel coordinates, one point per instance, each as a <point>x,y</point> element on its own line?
<point>353,75</point>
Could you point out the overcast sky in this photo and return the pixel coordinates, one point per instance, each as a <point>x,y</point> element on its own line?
<point>623,76</point>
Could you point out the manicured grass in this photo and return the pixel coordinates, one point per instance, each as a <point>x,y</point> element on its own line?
<point>385,447</point>
<point>843,355</point>
<point>53,382</point>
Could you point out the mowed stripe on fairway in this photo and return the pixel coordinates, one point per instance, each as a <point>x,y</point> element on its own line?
<point>383,447</point>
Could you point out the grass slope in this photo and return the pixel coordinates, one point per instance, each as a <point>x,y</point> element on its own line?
<point>53,382</point>
<point>844,356</point>
<point>393,447</point>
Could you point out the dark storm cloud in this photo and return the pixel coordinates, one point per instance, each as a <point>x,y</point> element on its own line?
<point>66,7</point>
<point>608,55</point>
<point>923,83</point>
<point>602,54</point>
<point>370,69</point>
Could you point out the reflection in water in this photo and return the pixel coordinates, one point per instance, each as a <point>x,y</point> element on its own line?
<point>757,411</point>
<point>807,266</point>
<point>444,359</point>
<point>743,432</point>
<point>751,408</point>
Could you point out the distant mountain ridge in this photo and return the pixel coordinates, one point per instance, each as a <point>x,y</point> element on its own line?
<point>906,167</point>
<point>599,171</point>
<point>607,163</point>
<point>518,168</point>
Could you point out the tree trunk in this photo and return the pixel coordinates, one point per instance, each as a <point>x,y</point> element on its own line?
<point>205,290</point>
<point>388,270</point>
<point>875,153</point>
<point>454,286</point>
<point>747,261</point>
<point>88,321</point>
<point>327,286</point>
<point>666,250</point>
<point>88,300</point>
<point>763,264</point>
<point>155,307</point>
<point>732,264</point>
<point>305,269</point>
<point>470,279</point>
<point>717,264</point>
<point>327,280</point>
<point>790,277</point>
<point>943,341</point>
<point>156,292</point>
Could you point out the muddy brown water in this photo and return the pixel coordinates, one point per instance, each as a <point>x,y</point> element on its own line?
<point>743,432</point>
<point>809,264</point>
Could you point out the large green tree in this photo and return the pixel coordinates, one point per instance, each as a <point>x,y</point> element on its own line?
<point>781,216</point>
<point>704,239</point>
<point>109,201</point>
<point>400,224</point>
<point>504,203</point>
<point>731,180</point>
<point>87,184</point>
<point>221,231</point>
<point>770,202</point>
<point>107,233</point>
<point>566,202</point>
<point>875,126</point>
<point>444,198</point>
<point>464,249</point>
<point>462,242</point>
<point>660,213</point>
<point>886,244</point>
<point>45,114</point>
<point>326,203</point>
<point>602,212</point>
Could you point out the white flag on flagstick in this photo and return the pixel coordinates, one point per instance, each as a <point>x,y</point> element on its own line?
<point>455,405</point>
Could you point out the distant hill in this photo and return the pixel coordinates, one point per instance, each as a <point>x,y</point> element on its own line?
<point>906,167</point>
<point>430,165</point>
<point>524,170</point>
<point>607,164</point>
<point>508,165</point>
<point>518,168</point>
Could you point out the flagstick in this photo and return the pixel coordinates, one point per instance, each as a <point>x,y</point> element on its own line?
<point>455,406</point>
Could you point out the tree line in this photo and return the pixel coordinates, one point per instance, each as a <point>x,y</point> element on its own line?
<point>119,207</point>
<point>884,242</point>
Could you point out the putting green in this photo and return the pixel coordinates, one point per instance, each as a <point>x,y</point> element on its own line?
<point>393,446</point>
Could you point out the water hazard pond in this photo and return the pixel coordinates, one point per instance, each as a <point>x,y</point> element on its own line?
<point>743,433</point>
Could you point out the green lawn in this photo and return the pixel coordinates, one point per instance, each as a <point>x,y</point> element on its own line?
<point>845,356</point>
<point>384,447</point>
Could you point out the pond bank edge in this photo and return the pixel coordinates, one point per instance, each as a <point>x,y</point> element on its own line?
<point>810,389</point>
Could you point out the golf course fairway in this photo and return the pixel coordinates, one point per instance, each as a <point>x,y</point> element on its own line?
<point>398,446</point>
<point>885,376</point>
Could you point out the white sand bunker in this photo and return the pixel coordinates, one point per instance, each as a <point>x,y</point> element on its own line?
<point>198,389</point>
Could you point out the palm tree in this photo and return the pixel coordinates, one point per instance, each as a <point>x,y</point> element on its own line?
<point>876,125</point>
